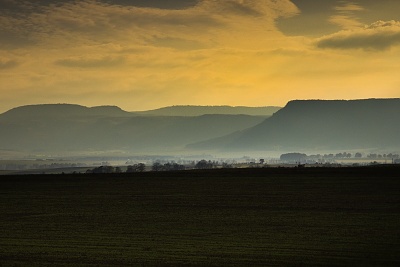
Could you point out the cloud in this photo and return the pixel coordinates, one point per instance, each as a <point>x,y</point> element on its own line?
<point>382,24</point>
<point>13,32</point>
<point>8,64</point>
<point>104,62</point>
<point>349,7</point>
<point>90,21</point>
<point>253,8</point>
<point>232,7</point>
<point>178,43</point>
<point>346,18</point>
<point>162,4</point>
<point>72,48</point>
<point>380,35</point>
<point>345,21</point>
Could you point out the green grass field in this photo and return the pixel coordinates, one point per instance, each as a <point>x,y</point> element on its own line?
<point>238,217</point>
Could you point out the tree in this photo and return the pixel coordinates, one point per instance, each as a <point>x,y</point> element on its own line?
<point>177,167</point>
<point>358,155</point>
<point>339,155</point>
<point>103,169</point>
<point>172,166</point>
<point>204,164</point>
<point>157,167</point>
<point>130,169</point>
<point>226,165</point>
<point>140,167</point>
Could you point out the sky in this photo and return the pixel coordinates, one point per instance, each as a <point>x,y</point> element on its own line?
<point>144,54</point>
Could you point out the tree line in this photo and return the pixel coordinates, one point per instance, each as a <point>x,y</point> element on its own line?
<point>158,166</point>
<point>295,157</point>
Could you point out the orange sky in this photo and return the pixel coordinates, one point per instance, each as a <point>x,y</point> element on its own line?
<point>197,52</point>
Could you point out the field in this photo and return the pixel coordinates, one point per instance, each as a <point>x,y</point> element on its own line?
<point>237,217</point>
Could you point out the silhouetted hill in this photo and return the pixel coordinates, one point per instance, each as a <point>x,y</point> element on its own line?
<point>300,125</point>
<point>72,110</point>
<point>320,124</point>
<point>203,110</point>
<point>64,127</point>
<point>61,111</point>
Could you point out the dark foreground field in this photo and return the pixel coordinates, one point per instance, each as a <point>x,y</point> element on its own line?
<point>242,217</point>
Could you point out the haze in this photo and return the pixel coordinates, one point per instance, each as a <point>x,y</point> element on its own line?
<point>148,54</point>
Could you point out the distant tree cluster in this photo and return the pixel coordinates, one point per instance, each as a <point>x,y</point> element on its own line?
<point>169,166</point>
<point>24,166</point>
<point>140,167</point>
<point>110,169</point>
<point>103,169</point>
<point>343,155</point>
<point>383,156</point>
<point>204,164</point>
<point>226,165</point>
<point>298,157</point>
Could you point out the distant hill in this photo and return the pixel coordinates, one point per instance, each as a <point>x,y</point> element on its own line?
<point>63,127</point>
<point>69,110</point>
<point>300,125</point>
<point>61,111</point>
<point>203,110</point>
<point>319,124</point>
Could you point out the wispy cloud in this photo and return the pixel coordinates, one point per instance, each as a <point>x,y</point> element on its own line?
<point>346,15</point>
<point>380,35</point>
<point>91,21</point>
<point>8,64</point>
<point>208,52</point>
<point>345,21</point>
<point>83,62</point>
<point>349,7</point>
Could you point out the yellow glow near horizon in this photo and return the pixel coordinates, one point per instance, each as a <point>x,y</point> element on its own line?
<point>227,52</point>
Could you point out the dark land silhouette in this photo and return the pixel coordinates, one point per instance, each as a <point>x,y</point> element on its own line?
<point>64,127</point>
<point>310,216</point>
<point>69,110</point>
<point>225,217</point>
<point>301,125</point>
<point>320,125</point>
<point>202,110</point>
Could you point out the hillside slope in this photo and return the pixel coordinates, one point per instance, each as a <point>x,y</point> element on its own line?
<point>61,111</point>
<point>320,124</point>
<point>202,110</point>
<point>59,128</point>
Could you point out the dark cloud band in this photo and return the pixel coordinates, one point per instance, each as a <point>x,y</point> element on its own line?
<point>8,64</point>
<point>164,4</point>
<point>380,35</point>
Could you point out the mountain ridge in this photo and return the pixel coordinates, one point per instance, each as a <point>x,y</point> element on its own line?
<point>320,124</point>
<point>64,109</point>
<point>192,110</point>
<point>300,125</point>
<point>134,133</point>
